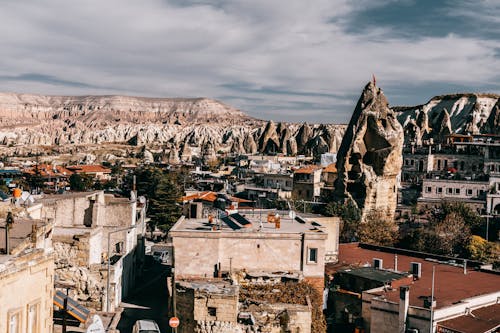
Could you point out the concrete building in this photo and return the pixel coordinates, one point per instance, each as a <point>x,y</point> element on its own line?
<point>307,183</point>
<point>471,193</point>
<point>86,225</point>
<point>408,306</point>
<point>27,278</point>
<point>206,247</point>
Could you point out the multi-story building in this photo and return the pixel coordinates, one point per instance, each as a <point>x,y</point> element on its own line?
<point>207,247</point>
<point>92,230</point>
<point>26,278</point>
<point>418,292</point>
<point>307,183</point>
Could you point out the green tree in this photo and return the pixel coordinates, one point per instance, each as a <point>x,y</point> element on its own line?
<point>377,229</point>
<point>350,215</point>
<point>164,209</point>
<point>80,182</point>
<point>162,188</point>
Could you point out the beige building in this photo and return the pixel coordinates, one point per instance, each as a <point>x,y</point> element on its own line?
<point>307,183</point>
<point>207,247</point>
<point>83,224</point>
<point>26,278</point>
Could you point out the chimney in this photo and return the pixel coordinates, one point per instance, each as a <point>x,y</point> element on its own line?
<point>395,262</point>
<point>404,302</point>
<point>377,263</point>
<point>465,266</point>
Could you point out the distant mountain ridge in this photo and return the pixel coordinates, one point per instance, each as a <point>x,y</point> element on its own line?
<point>183,127</point>
<point>187,127</point>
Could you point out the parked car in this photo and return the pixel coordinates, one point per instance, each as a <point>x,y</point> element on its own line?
<point>146,326</point>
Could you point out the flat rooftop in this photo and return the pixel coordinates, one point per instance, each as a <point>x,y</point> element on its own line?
<point>18,232</point>
<point>481,320</point>
<point>248,223</point>
<point>451,284</point>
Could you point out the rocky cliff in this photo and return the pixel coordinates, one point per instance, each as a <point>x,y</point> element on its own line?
<point>370,156</point>
<point>183,127</point>
<point>456,113</point>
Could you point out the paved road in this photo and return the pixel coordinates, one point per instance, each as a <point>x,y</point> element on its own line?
<point>149,301</point>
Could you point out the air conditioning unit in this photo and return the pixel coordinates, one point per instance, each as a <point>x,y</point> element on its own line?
<point>377,263</point>
<point>416,269</point>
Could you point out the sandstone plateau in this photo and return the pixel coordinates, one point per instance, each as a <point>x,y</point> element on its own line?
<point>370,157</point>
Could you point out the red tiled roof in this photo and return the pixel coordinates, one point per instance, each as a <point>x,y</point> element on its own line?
<point>89,168</point>
<point>481,320</point>
<point>330,168</point>
<point>451,284</point>
<point>48,170</point>
<point>210,197</point>
<point>307,169</point>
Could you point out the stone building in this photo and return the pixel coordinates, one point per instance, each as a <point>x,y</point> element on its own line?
<point>27,278</point>
<point>404,305</point>
<point>206,247</point>
<point>205,306</point>
<point>470,193</point>
<point>307,183</point>
<point>83,224</point>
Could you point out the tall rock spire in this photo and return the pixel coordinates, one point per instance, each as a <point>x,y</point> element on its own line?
<point>369,159</point>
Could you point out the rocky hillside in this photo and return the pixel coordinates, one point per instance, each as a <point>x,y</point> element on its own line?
<point>183,127</point>
<point>457,113</point>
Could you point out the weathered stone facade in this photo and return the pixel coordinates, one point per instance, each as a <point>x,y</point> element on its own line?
<point>213,307</point>
<point>370,157</point>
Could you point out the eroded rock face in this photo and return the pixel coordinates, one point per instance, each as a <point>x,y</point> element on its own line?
<point>370,156</point>
<point>456,113</point>
<point>64,122</point>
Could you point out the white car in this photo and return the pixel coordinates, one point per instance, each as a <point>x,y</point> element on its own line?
<point>146,326</point>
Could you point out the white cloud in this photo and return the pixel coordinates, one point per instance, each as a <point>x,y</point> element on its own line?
<point>158,48</point>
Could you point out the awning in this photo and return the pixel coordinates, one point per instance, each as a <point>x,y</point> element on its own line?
<point>75,310</point>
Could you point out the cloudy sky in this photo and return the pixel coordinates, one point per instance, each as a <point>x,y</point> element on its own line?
<point>292,60</point>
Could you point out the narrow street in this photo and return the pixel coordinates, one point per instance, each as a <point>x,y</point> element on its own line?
<point>149,301</point>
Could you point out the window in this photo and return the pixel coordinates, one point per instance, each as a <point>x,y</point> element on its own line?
<point>412,162</point>
<point>212,311</point>
<point>33,318</point>
<point>439,190</point>
<point>312,255</point>
<point>469,192</point>
<point>14,322</point>
<point>457,191</point>
<point>428,189</point>
<point>449,191</point>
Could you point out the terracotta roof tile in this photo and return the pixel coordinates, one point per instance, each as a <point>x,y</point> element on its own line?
<point>451,284</point>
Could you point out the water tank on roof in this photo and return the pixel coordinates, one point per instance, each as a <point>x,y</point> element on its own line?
<point>17,193</point>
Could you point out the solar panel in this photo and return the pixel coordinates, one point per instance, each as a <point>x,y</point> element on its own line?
<point>227,220</point>
<point>76,310</point>
<point>300,219</point>
<point>240,219</point>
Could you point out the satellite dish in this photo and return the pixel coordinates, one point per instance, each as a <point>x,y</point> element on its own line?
<point>96,326</point>
<point>292,215</point>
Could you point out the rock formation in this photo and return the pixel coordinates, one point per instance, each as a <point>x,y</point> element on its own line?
<point>457,113</point>
<point>69,124</point>
<point>369,159</point>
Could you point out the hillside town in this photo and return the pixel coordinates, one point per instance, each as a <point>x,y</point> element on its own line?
<point>396,228</point>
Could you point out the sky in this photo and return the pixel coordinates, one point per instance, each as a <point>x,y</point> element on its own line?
<point>286,60</point>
